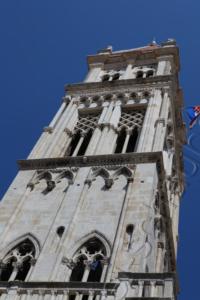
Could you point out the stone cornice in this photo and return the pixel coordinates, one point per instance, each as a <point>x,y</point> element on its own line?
<point>148,276</point>
<point>47,285</point>
<point>118,85</point>
<point>94,160</point>
<point>136,54</point>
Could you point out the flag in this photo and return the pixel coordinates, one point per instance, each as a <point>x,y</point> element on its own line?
<point>94,265</point>
<point>193,113</point>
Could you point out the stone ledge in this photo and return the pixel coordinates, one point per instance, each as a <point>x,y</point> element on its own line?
<point>149,276</point>
<point>80,87</point>
<point>93,160</point>
<point>78,286</point>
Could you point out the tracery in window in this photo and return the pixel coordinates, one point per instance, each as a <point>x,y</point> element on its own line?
<point>82,135</point>
<point>17,263</point>
<point>128,130</point>
<point>89,262</point>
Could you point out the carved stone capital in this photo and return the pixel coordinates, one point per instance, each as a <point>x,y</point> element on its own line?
<point>66,99</point>
<point>160,245</point>
<point>68,131</point>
<point>48,129</point>
<point>108,182</point>
<point>160,121</point>
<point>68,262</point>
<point>88,181</point>
<point>31,185</point>
<point>50,185</point>
<point>105,261</point>
<point>130,179</point>
<point>33,261</point>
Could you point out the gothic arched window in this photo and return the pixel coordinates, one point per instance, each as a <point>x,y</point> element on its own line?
<point>128,130</point>
<point>89,262</point>
<point>82,135</point>
<point>17,263</point>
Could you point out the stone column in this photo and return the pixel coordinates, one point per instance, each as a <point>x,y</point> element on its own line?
<point>66,101</point>
<point>153,289</point>
<point>146,138</point>
<point>46,136</point>
<point>65,295</point>
<point>129,71</point>
<point>86,272</point>
<point>159,258</point>
<point>164,65</point>
<point>93,74</point>
<point>160,125</point>
<point>128,134</point>
<point>140,288</point>
<point>14,215</point>
<point>59,133</point>
<point>91,149</point>
<point>91,295</point>
<point>107,132</point>
<point>83,134</point>
<point>168,288</point>
<point>103,295</point>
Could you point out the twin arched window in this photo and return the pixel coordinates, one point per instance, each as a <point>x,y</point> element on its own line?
<point>108,77</point>
<point>17,263</point>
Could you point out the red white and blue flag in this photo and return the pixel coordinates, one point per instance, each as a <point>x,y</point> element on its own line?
<point>193,113</point>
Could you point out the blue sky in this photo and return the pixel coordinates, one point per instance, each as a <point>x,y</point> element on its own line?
<point>44,44</point>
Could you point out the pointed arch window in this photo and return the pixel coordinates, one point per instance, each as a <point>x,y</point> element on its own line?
<point>89,262</point>
<point>17,263</point>
<point>83,132</point>
<point>129,126</point>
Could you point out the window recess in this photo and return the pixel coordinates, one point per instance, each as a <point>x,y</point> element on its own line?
<point>129,127</point>
<point>82,134</point>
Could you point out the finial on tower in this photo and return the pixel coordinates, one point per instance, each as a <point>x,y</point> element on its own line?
<point>108,49</point>
<point>153,43</point>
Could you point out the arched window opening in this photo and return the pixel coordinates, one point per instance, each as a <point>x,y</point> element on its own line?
<point>139,74</point>
<point>78,271</point>
<point>95,270</point>
<point>116,76</point>
<point>85,143</point>
<point>74,143</point>
<point>120,141</point>
<point>23,270</point>
<point>89,262</point>
<point>7,269</point>
<point>132,141</point>
<point>17,263</point>
<point>106,77</point>
<point>149,73</point>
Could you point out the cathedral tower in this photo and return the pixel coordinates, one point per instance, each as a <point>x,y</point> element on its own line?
<point>93,211</point>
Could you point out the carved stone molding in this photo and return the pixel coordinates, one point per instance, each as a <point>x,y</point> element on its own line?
<point>94,161</point>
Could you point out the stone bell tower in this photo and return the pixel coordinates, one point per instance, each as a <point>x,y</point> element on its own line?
<point>93,211</point>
